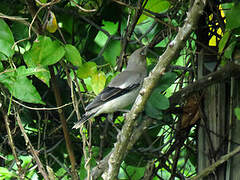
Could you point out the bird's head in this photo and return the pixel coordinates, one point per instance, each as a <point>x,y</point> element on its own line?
<point>137,60</point>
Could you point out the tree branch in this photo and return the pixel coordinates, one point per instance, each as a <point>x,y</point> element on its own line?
<point>212,167</point>
<point>31,149</point>
<point>64,124</point>
<point>223,74</point>
<point>150,82</point>
<point>12,145</point>
<point>103,164</point>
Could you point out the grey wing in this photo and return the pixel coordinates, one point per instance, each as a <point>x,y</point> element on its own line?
<point>126,79</point>
<point>121,84</point>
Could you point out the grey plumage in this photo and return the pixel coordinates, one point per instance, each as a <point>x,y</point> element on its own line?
<point>121,91</point>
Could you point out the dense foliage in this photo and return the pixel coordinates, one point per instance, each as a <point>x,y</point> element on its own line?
<point>56,56</point>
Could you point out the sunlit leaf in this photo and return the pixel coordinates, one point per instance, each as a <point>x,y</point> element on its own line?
<point>20,86</point>
<point>6,39</point>
<point>233,17</point>
<point>5,173</point>
<point>223,41</point>
<point>112,51</point>
<point>229,50</point>
<point>156,6</point>
<point>1,67</point>
<point>72,55</point>
<point>237,112</point>
<point>98,82</point>
<point>44,52</point>
<point>86,70</point>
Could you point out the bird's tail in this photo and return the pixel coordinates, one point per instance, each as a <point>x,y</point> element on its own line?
<point>82,121</point>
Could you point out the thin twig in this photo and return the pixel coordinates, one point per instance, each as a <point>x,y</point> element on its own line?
<point>82,9</point>
<point>31,148</point>
<point>12,145</point>
<point>42,109</point>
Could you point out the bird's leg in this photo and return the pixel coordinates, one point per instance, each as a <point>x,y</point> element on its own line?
<point>110,119</point>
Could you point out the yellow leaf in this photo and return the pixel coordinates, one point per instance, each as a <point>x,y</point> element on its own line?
<point>52,23</point>
<point>98,82</point>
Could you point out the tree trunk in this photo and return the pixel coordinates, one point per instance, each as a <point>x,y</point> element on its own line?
<point>219,130</point>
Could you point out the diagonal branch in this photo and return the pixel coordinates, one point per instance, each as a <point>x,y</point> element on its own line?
<point>219,162</point>
<point>103,164</point>
<point>31,149</point>
<point>150,82</point>
<point>229,70</point>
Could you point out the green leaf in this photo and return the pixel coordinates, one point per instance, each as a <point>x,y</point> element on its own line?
<point>44,52</point>
<point>98,82</point>
<point>229,50</point>
<point>20,31</point>
<point>72,55</point>
<point>158,100</point>
<point>233,17</point>
<point>157,6</point>
<point>26,160</point>
<point>5,173</point>
<point>223,41</point>
<point>112,51</point>
<point>152,112</point>
<point>1,67</point>
<point>110,27</point>
<point>166,81</point>
<point>23,72</point>
<point>6,39</point>
<point>86,70</point>
<point>237,112</point>
<point>41,72</point>
<point>20,86</point>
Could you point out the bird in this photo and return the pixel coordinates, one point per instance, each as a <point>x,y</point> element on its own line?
<point>121,91</point>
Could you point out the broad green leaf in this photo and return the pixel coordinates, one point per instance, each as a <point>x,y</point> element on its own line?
<point>2,56</point>
<point>152,112</point>
<point>223,41</point>
<point>110,27</point>
<point>132,171</point>
<point>86,70</point>
<point>166,81</point>
<point>157,6</point>
<point>229,50</point>
<point>44,76</point>
<point>72,55</point>
<point>233,17</point>
<point>20,86</point>
<point>44,52</point>
<point>41,72</point>
<point>112,51</point>
<point>6,39</point>
<point>26,160</point>
<point>23,72</point>
<point>5,173</point>
<point>237,112</point>
<point>158,100</point>
<point>98,82</point>
<point>20,31</point>
<point>1,67</point>
<point>135,172</point>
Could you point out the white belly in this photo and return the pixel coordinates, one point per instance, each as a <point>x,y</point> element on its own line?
<point>118,103</point>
